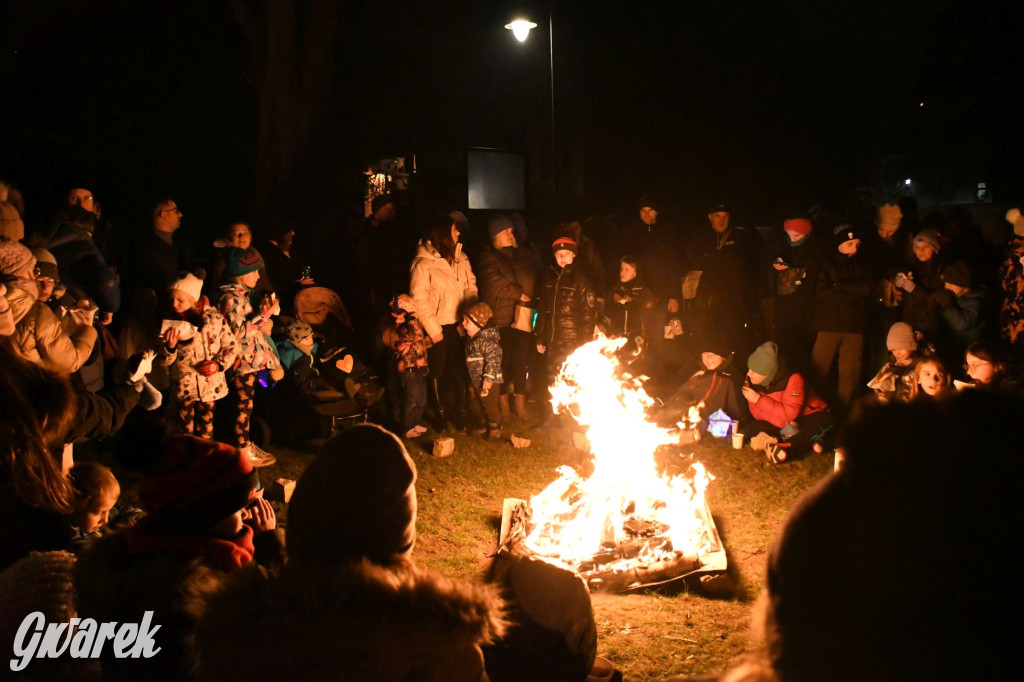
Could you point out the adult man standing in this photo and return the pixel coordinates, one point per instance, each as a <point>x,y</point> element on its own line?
<point>720,280</point>
<point>159,257</point>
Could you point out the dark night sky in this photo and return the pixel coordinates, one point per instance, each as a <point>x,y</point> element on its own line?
<point>765,103</point>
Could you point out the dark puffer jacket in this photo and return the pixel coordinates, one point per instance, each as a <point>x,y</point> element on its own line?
<point>505,275</point>
<point>82,267</point>
<point>568,308</point>
<point>844,284</point>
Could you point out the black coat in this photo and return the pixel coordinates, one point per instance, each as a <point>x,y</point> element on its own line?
<point>843,287</point>
<point>568,308</point>
<point>503,276</point>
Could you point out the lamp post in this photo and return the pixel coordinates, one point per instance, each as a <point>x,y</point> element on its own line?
<point>521,30</point>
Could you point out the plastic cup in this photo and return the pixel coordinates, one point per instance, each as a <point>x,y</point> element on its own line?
<point>737,441</point>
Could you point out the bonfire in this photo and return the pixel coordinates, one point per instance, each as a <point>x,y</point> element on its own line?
<point>625,525</point>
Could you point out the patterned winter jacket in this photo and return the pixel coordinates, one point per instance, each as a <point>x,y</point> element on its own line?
<point>255,351</point>
<point>1011,317</point>
<point>213,340</point>
<point>483,357</point>
<point>411,350</point>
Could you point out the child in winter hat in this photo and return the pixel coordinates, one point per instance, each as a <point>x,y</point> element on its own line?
<point>409,342</point>
<point>894,381</point>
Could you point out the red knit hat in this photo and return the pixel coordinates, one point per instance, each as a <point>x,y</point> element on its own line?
<point>193,483</point>
<point>800,226</point>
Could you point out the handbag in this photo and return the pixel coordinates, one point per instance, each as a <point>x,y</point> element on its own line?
<point>524,317</point>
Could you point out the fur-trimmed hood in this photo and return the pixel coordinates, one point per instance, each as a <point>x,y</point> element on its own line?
<point>353,622</point>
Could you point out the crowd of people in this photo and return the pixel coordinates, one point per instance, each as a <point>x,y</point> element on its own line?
<point>781,330</point>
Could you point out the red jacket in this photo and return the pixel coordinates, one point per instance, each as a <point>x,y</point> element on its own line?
<point>786,399</point>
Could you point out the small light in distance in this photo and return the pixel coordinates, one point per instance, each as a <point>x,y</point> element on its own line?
<point>907,182</point>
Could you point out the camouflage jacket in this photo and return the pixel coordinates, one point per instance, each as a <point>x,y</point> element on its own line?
<point>483,357</point>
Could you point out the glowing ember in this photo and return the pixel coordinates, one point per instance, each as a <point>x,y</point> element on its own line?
<point>624,515</point>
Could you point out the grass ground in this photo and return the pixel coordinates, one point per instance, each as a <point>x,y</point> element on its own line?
<point>647,636</point>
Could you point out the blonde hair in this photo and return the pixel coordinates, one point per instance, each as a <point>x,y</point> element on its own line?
<point>91,481</point>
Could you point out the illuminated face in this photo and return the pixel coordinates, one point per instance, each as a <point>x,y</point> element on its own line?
<point>305,344</point>
<point>957,290</point>
<point>564,257</point>
<point>902,356</point>
<point>505,238</point>
<point>980,371</point>
<point>455,234</point>
<point>923,252</point>
<point>627,272</point>
<point>95,515</point>
<point>756,378</point>
<point>711,360</point>
<point>849,248</point>
<point>240,235</point>
<point>470,326</point>
<point>181,302</point>
<point>46,285</point>
<point>930,379</point>
<point>719,221</point>
<point>82,197</point>
<point>249,279</point>
<point>648,216</point>
<point>167,217</point>
<point>887,230</point>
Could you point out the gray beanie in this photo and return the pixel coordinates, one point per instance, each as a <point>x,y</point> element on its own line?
<point>357,499</point>
<point>499,223</point>
<point>15,259</point>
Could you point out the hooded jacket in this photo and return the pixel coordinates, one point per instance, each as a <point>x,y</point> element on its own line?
<point>356,621</point>
<point>439,287</point>
<point>213,340</point>
<point>40,338</point>
<point>82,267</point>
<point>786,398</point>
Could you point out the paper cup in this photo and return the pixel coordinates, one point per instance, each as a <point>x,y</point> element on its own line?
<point>737,441</point>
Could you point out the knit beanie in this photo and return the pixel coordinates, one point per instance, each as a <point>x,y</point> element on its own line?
<point>929,237</point>
<point>799,226</point>
<point>15,259</point>
<point>716,342</point>
<point>192,483</point>
<point>296,330</point>
<point>357,499</point>
<point>480,313</point>
<point>241,262</point>
<point>957,274</point>
<point>403,303</point>
<point>498,224</point>
<point>46,263</point>
<point>11,224</point>
<point>901,337</point>
<point>189,284</point>
<point>765,359</point>
<point>890,214</point>
<point>846,232</point>
<point>564,242</point>
<point>649,201</point>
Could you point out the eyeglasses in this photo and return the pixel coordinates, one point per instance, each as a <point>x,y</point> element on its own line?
<point>78,198</point>
<point>971,366</point>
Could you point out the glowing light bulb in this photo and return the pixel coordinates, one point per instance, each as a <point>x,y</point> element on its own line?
<point>521,28</point>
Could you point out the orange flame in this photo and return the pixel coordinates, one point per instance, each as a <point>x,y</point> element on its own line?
<point>574,518</point>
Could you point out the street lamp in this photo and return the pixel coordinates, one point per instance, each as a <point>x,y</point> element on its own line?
<point>521,30</point>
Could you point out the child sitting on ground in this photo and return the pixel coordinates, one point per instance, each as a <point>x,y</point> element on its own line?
<point>711,388</point>
<point>931,378</point>
<point>895,380</point>
<point>95,509</point>
<point>409,343</point>
<point>199,348</point>
<point>483,359</point>
<point>782,403</point>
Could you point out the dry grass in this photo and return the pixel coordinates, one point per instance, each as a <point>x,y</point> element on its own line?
<point>647,636</point>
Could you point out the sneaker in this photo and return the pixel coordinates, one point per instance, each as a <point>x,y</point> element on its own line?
<point>259,457</point>
<point>775,454</point>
